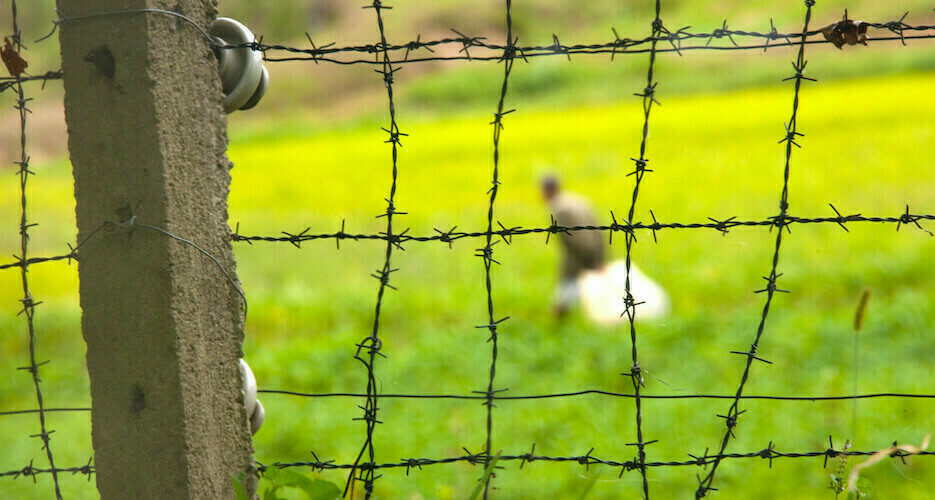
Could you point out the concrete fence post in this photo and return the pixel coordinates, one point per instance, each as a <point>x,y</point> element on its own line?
<point>162,322</point>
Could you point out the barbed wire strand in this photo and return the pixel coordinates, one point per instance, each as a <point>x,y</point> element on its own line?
<point>533,52</point>
<point>769,453</point>
<point>723,226</point>
<point>9,82</point>
<point>29,303</point>
<point>579,49</point>
<point>486,253</point>
<point>32,471</point>
<point>373,344</point>
<point>648,96</point>
<point>734,412</point>
<point>625,45</point>
<point>618,45</point>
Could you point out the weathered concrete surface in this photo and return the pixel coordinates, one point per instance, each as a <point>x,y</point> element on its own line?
<point>162,324</point>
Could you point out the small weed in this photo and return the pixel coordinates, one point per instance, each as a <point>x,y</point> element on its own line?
<point>274,480</point>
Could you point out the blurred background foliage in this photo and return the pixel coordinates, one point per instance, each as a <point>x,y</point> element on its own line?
<point>312,155</point>
<point>325,94</point>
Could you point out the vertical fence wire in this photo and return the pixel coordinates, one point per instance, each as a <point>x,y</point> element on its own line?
<point>781,223</point>
<point>649,98</point>
<point>487,251</point>
<point>28,302</point>
<point>372,344</point>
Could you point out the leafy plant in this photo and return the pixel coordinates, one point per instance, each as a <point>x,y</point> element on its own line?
<point>487,473</point>
<point>839,471</point>
<point>274,479</point>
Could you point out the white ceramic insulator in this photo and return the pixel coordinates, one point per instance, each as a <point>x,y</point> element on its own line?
<point>243,77</point>
<point>256,419</point>
<point>254,408</point>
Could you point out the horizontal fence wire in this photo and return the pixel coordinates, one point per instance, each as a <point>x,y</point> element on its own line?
<point>723,226</point>
<point>702,460</point>
<point>31,471</point>
<point>589,392</point>
<point>682,39</point>
<point>587,460</point>
<point>586,392</point>
<point>7,83</point>
<point>390,57</point>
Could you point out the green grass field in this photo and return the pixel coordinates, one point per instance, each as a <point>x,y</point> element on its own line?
<point>868,148</point>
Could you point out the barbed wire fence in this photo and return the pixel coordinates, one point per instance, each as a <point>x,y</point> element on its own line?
<point>390,58</point>
<point>13,46</point>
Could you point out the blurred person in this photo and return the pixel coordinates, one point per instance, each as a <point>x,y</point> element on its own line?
<point>584,274</point>
<point>581,250</point>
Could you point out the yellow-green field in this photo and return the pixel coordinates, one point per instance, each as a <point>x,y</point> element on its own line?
<point>868,148</point>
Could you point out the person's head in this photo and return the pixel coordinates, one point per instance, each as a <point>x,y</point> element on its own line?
<point>549,186</point>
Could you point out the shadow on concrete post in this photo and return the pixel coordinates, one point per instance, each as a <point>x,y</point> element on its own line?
<point>163,325</point>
